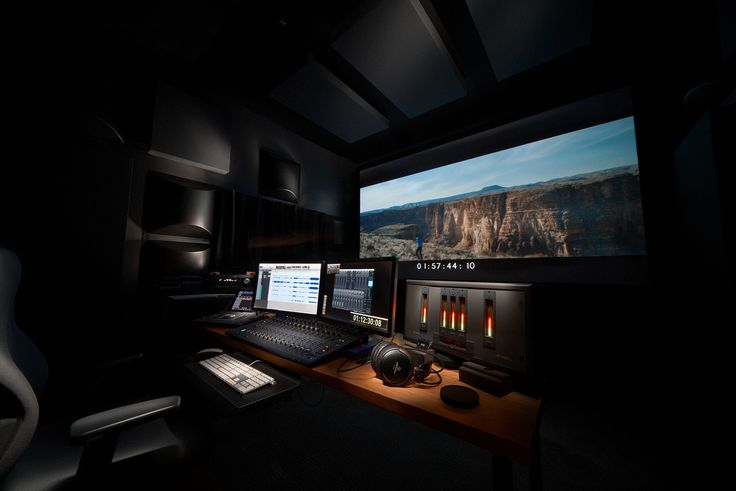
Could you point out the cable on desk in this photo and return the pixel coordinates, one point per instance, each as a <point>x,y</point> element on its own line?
<point>359,362</point>
<point>253,362</point>
<point>432,371</point>
<point>436,382</point>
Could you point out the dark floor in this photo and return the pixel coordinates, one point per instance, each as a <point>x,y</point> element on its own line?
<point>321,438</point>
<point>600,430</point>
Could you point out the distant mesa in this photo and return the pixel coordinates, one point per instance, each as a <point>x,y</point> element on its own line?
<point>455,197</point>
<point>587,177</point>
<point>488,189</point>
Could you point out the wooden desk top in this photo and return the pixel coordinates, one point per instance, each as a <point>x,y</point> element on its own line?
<point>504,425</point>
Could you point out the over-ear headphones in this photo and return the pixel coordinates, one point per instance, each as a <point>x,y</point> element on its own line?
<point>397,365</point>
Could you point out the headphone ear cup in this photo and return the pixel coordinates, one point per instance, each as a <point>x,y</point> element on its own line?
<point>375,356</point>
<point>395,366</point>
<point>387,345</point>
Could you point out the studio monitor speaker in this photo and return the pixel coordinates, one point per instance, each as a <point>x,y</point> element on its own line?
<point>278,177</point>
<point>179,207</point>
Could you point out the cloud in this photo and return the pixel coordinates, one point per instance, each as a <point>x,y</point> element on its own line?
<point>585,150</point>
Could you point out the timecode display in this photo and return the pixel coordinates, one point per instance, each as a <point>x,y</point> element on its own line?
<point>369,321</point>
<point>446,265</point>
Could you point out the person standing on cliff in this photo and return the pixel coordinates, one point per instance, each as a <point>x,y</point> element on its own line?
<point>420,243</point>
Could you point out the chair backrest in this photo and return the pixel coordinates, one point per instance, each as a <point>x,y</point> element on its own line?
<point>23,371</point>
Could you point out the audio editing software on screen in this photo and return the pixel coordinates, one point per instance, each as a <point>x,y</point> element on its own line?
<point>288,287</point>
<point>353,290</point>
<point>243,301</point>
<point>361,293</point>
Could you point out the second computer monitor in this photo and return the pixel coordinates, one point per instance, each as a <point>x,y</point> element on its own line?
<point>243,301</point>
<point>288,287</point>
<point>362,293</point>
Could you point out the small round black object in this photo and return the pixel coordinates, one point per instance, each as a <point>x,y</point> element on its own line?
<point>459,396</point>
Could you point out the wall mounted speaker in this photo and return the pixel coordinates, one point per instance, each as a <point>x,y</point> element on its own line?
<point>182,234</point>
<point>278,177</point>
<point>178,207</point>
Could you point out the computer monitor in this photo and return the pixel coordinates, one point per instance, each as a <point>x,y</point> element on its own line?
<point>361,292</point>
<point>288,287</point>
<point>243,301</point>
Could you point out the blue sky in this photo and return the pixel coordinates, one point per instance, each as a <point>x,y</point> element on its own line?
<point>591,149</point>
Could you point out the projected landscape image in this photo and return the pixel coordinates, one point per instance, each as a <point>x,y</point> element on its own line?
<point>572,195</point>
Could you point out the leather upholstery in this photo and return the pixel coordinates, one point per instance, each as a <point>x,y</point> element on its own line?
<point>23,370</point>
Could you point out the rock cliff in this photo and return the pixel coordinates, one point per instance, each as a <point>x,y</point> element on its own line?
<point>598,214</point>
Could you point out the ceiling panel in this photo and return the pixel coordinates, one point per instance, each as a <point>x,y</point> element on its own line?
<point>398,50</point>
<point>318,95</point>
<point>522,34</point>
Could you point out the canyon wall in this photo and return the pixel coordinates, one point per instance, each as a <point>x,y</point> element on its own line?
<point>598,214</point>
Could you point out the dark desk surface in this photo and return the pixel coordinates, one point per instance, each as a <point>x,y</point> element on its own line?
<point>505,425</point>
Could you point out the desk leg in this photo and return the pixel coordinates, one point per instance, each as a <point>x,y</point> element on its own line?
<point>503,473</point>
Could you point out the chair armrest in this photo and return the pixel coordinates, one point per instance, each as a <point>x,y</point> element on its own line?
<point>116,419</point>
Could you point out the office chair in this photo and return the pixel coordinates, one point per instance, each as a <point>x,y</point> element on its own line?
<point>104,450</point>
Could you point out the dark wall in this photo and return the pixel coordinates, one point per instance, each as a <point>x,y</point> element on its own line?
<point>73,187</point>
<point>658,356</point>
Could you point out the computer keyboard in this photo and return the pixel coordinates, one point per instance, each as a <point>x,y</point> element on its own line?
<point>307,341</point>
<point>237,374</point>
